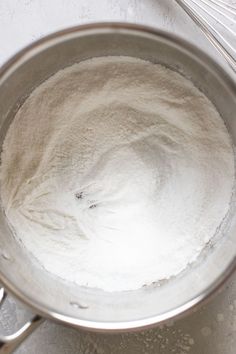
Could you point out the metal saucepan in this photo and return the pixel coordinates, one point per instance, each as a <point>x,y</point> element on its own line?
<point>90,308</point>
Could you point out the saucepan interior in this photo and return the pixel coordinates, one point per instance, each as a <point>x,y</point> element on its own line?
<point>93,308</point>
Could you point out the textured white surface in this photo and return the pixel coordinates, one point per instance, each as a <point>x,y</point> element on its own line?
<point>23,21</point>
<point>212,329</point>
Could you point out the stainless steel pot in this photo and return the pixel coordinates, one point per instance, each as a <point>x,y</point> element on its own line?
<point>89,308</point>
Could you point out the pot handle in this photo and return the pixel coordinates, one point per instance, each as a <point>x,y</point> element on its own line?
<point>9,343</point>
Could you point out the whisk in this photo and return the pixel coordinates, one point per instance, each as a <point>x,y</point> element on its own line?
<point>217,20</point>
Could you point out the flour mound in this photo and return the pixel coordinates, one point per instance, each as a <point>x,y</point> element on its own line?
<point>116,173</point>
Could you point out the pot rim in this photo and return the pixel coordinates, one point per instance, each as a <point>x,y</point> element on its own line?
<point>47,41</point>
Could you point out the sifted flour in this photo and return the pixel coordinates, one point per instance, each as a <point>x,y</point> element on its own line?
<point>116,172</point>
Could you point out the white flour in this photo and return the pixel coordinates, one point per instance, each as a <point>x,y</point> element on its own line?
<point>116,173</point>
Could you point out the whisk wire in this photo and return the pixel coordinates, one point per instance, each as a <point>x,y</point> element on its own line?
<point>227,7</point>
<point>214,36</point>
<point>208,3</point>
<point>215,18</point>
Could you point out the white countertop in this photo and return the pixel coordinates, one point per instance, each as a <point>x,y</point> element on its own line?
<point>210,330</point>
